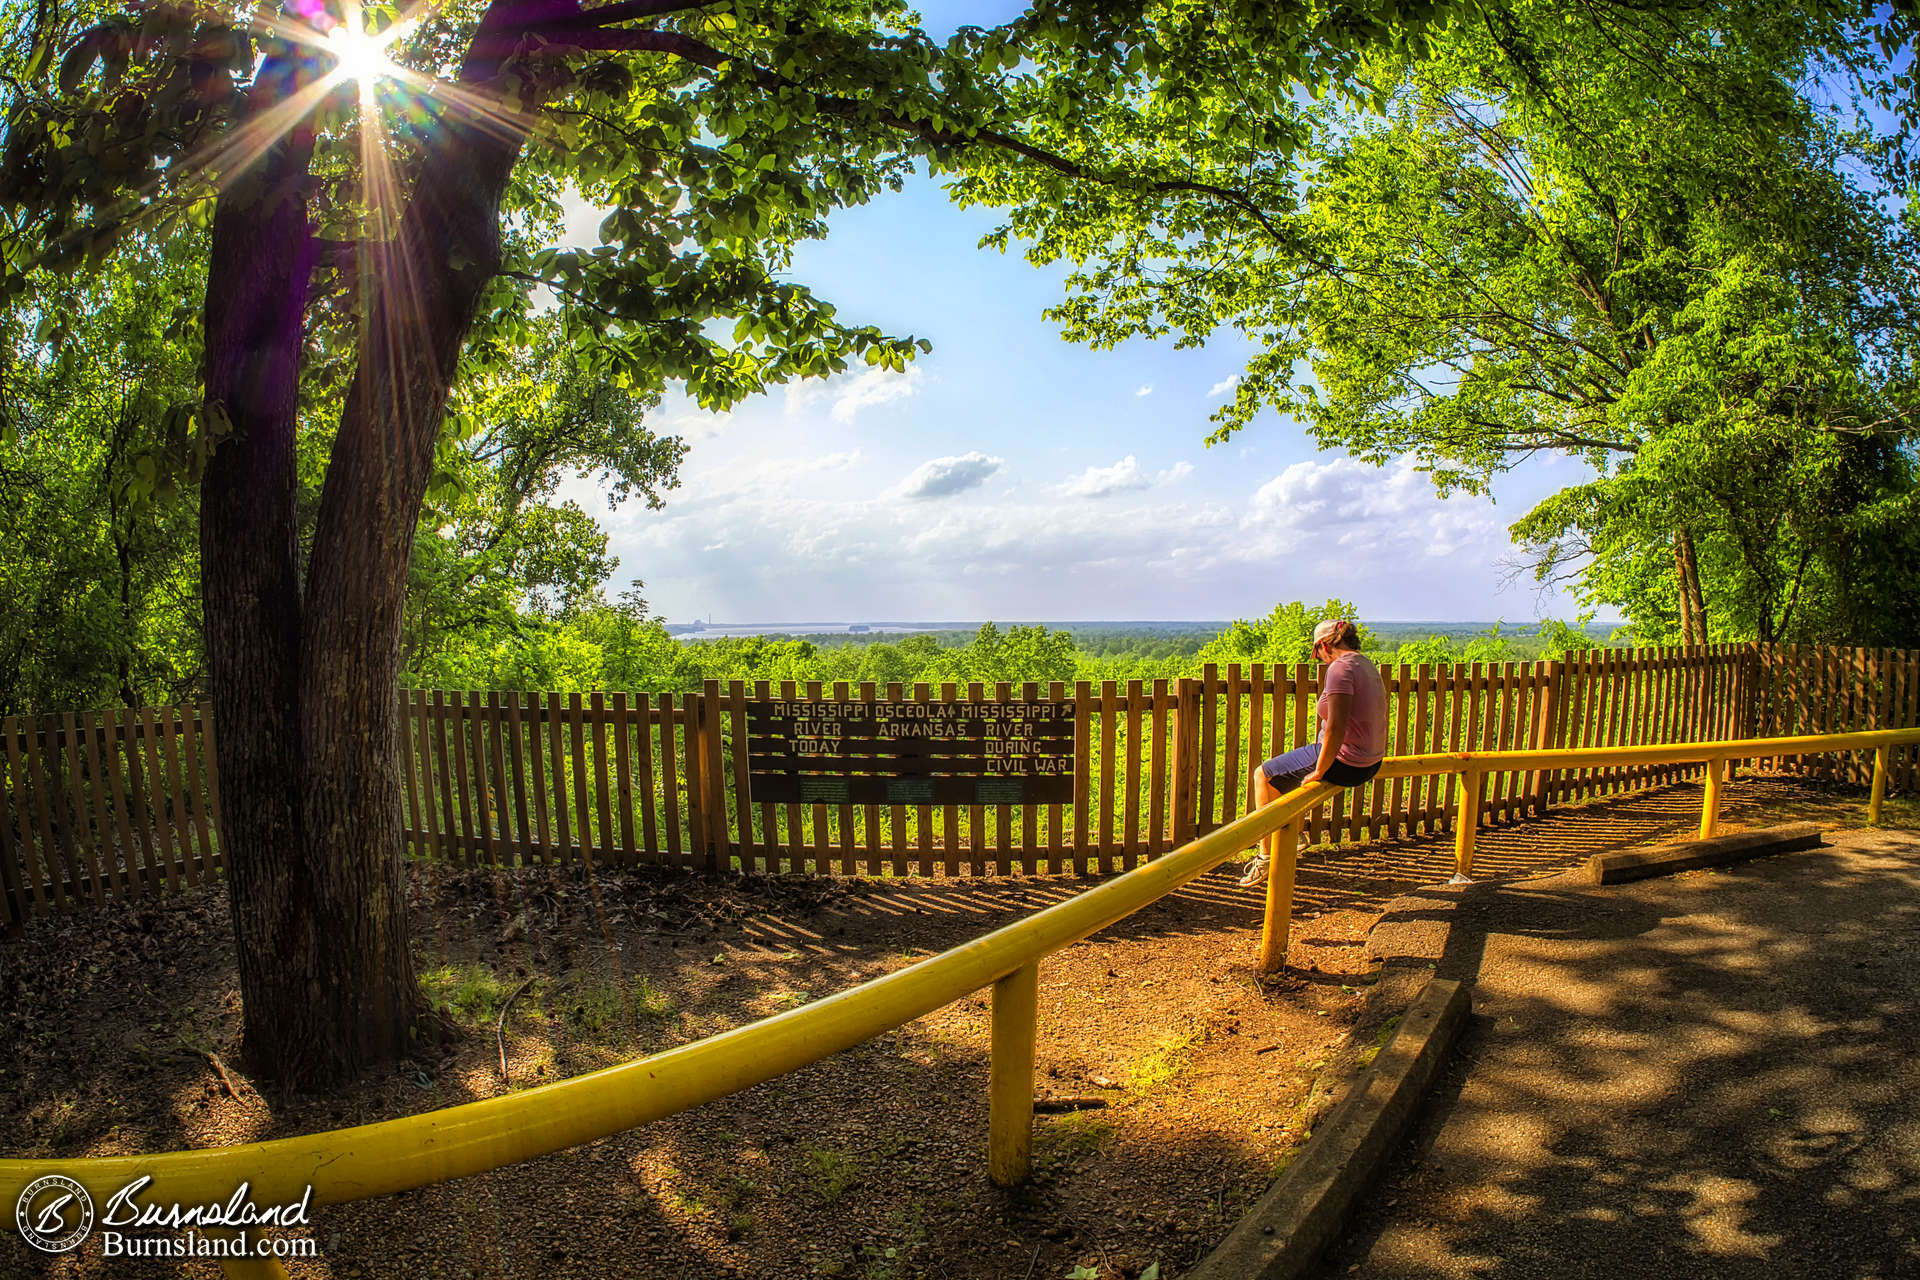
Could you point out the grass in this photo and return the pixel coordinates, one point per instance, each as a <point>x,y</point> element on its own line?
<point>731,1204</point>
<point>649,1003</point>
<point>907,1228</point>
<point>1380,1038</point>
<point>1167,1059</point>
<point>471,994</point>
<point>593,1009</point>
<point>1061,1142</point>
<point>830,1173</point>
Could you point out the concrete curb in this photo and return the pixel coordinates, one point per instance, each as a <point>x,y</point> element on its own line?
<point>1689,855</point>
<point>1303,1213</point>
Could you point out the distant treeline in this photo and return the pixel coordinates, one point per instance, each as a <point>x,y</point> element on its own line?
<point>611,648</point>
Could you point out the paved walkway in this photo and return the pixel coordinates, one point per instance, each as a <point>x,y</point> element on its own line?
<point>1714,1075</point>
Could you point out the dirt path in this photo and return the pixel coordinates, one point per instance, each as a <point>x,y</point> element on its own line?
<point>869,1164</point>
<point>1715,1075</point>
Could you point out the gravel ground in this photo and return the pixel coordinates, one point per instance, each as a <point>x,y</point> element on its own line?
<point>118,1034</point>
<point>1711,1075</point>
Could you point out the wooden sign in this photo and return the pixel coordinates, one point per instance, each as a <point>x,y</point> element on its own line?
<point>810,752</point>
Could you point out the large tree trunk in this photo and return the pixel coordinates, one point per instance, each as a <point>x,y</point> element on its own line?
<point>304,685</point>
<point>429,283</point>
<point>257,280</point>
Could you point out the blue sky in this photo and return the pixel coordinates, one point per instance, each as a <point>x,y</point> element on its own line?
<point>1012,475</point>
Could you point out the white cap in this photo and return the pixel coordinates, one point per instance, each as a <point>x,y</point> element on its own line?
<point>1329,631</point>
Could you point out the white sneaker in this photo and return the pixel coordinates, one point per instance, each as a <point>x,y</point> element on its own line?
<point>1256,873</point>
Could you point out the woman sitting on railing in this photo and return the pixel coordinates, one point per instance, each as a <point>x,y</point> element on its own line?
<point>1352,714</point>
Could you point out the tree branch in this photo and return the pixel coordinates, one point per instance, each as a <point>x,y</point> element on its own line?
<point>565,38</point>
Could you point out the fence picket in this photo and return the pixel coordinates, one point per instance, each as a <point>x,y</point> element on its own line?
<point>517,754</point>
<point>1209,723</point>
<point>923,813</point>
<point>1082,727</point>
<point>1107,744</point>
<point>1002,815</point>
<point>93,730</point>
<point>622,722</point>
<point>674,830</point>
<point>1056,690</point>
<point>770,843</point>
<point>1231,777</point>
<point>176,796</point>
<point>1130,844</point>
<point>140,788</point>
<point>12,862</point>
<point>693,774</point>
<point>84,838</point>
<point>756,852</point>
<point>582,802</point>
<point>560,848</point>
<point>108,783</point>
<point>1157,773</point>
<point>897,814</point>
<point>196,750</point>
<point>871,816</point>
<point>1030,812</point>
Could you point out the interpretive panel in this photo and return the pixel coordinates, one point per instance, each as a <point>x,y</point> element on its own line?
<point>814,752</point>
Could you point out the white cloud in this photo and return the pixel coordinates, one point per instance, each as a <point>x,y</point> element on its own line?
<point>1222,387</point>
<point>849,394</point>
<point>1380,518</point>
<point>944,477</point>
<point>1122,477</point>
<point>1145,390</point>
<point>844,460</point>
<point>1098,482</point>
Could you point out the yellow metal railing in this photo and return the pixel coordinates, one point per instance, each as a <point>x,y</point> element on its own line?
<point>414,1151</point>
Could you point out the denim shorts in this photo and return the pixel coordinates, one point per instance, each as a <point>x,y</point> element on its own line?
<point>1287,771</point>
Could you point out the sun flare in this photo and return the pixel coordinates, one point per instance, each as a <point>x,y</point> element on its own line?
<point>360,56</point>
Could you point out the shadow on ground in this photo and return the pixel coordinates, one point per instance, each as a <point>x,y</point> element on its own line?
<point>1707,1076</point>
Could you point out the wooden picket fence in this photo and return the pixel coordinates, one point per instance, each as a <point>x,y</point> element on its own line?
<point>106,805</point>
<point>1802,689</point>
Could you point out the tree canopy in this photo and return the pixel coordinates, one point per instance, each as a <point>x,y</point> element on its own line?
<point>1622,234</point>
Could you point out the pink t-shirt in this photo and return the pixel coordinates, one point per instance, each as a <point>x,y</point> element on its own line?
<point>1366,739</point>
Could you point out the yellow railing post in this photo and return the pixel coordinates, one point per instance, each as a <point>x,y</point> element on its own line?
<point>1466,822</point>
<point>1283,851</point>
<point>1710,804</point>
<point>1016,1000</point>
<point>1882,757</point>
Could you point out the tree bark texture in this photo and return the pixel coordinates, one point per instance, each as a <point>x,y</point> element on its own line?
<point>430,280</point>
<point>257,279</point>
<point>1693,604</point>
<point>304,680</point>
